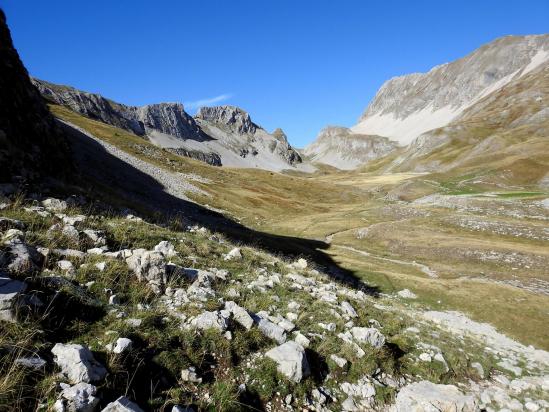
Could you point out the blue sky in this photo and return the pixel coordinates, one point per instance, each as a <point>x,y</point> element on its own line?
<point>298,65</point>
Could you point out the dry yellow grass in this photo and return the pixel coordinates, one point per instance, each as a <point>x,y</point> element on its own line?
<point>327,202</point>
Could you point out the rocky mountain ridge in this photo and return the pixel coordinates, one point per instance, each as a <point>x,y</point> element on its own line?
<point>506,130</point>
<point>412,109</point>
<point>340,147</point>
<point>222,135</point>
<point>406,106</point>
<point>169,118</point>
<point>234,118</point>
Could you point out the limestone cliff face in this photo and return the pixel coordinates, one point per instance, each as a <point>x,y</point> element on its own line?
<point>233,129</point>
<point>169,118</point>
<point>91,105</point>
<point>31,144</point>
<point>221,135</point>
<point>411,110</point>
<point>230,117</point>
<point>407,106</point>
<point>339,147</point>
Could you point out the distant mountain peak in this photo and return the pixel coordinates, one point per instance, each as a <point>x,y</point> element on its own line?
<point>232,117</point>
<point>407,106</point>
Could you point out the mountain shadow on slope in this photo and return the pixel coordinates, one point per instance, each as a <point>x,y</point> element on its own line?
<point>101,172</point>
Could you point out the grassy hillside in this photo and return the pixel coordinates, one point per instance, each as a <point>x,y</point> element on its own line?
<point>335,206</point>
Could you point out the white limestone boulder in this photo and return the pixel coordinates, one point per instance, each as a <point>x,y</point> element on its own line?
<point>291,360</point>
<point>77,363</point>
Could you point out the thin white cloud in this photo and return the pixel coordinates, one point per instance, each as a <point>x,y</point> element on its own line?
<point>207,102</point>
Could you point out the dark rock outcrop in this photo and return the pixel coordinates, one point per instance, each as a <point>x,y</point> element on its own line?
<point>211,158</point>
<point>91,105</point>
<point>31,144</point>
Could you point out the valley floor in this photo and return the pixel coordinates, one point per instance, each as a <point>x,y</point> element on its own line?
<point>485,254</point>
<point>457,281</point>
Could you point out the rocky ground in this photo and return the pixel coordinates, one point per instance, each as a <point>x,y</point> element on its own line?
<point>103,310</point>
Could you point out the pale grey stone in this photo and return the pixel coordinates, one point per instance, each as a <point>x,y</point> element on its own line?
<point>122,345</point>
<point>148,266</point>
<point>190,375</point>
<point>341,362</point>
<point>406,294</point>
<point>233,254</point>
<point>80,397</point>
<point>270,329</point>
<point>291,360</point>
<point>240,315</point>
<point>35,362</point>
<point>11,297</point>
<point>426,396</point>
<point>122,404</point>
<point>166,248</point>
<point>301,339</point>
<point>54,205</point>
<point>368,335</point>
<point>348,309</point>
<point>77,363</point>
<point>210,320</point>
<point>97,237</point>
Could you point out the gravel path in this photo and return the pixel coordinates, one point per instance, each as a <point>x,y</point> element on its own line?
<point>424,268</point>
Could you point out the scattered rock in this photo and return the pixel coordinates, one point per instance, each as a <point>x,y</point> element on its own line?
<point>341,362</point>
<point>291,360</point>
<point>66,266</point>
<point>301,339</point>
<point>101,266</point>
<point>210,320</point>
<point>54,205</point>
<point>348,309</point>
<point>270,329</point>
<point>300,264</point>
<point>478,368</point>
<point>77,363</point>
<point>148,266</point>
<point>34,362</point>
<point>11,298</point>
<point>427,396</point>
<point>330,327</point>
<point>349,405</point>
<point>97,237</point>
<point>425,357</point>
<point>121,345</point>
<point>122,404</point>
<point>166,248</point>
<point>133,322</point>
<point>21,257</point>
<point>362,389</point>
<point>68,231</point>
<point>190,375</point>
<point>7,223</point>
<point>233,254</point>
<point>79,398</point>
<point>240,315</point>
<point>407,294</point>
<point>368,335</point>
<point>13,234</point>
<point>178,408</point>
